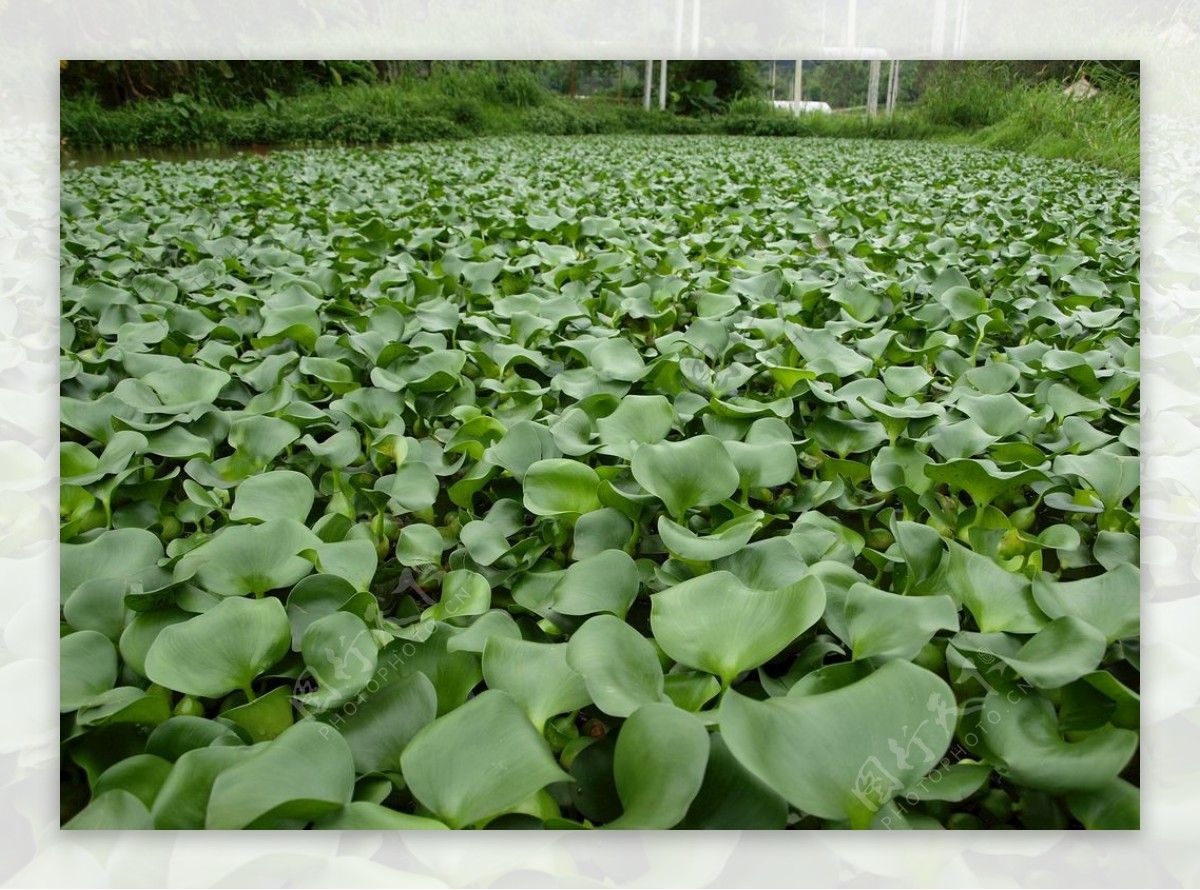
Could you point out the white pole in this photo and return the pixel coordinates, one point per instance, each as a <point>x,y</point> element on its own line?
<point>648,84</point>
<point>873,89</point>
<point>772,80</point>
<point>696,29</point>
<point>662,86</point>
<point>893,79</point>
<point>798,84</point>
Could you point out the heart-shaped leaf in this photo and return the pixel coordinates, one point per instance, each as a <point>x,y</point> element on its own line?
<point>696,472</point>
<point>717,624</point>
<point>253,635</point>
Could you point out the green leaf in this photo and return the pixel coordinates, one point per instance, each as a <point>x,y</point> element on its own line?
<point>767,458</point>
<point>600,530</point>
<point>221,650</point>
<point>1030,750</point>
<point>732,798</point>
<point>618,665</point>
<point>463,593</point>
<point>412,488</point>
<point>560,487</point>
<point>1062,651</point>
<point>1113,807</point>
<point>243,559</point>
<point>141,775</point>
<point>638,420</point>
<point>1111,602</point>
<point>354,560</point>
<point>265,718</point>
<point>887,625</point>
<point>116,810</point>
<point>952,783</point>
<point>905,381</point>
<point>385,721</point>
<point>658,766</point>
<point>1114,477</point>
<point>844,754</point>
<point>963,302</point>
<point>998,599</point>
<point>725,540</point>
<point>618,359</point>
<point>717,624</point>
<point>341,654</point>
<point>281,494</point>
<point>845,437</point>
<point>182,802</point>
<point>696,472</point>
<point>998,415</point>
<point>479,761</point>
<point>304,774</point>
<point>87,666</point>
<point>119,553</point>
<point>420,545</point>
<point>536,675</point>
<point>606,582</point>
<point>981,479</point>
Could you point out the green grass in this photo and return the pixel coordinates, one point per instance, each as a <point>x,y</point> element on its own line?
<point>1104,130</point>
<point>974,106</point>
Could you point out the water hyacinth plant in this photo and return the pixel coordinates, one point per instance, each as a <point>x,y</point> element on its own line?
<point>600,483</point>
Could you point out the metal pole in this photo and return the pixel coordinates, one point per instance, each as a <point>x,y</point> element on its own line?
<point>798,84</point>
<point>662,86</point>
<point>649,83</point>
<point>873,89</point>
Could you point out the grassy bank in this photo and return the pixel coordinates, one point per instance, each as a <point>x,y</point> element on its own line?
<point>356,115</point>
<point>971,107</point>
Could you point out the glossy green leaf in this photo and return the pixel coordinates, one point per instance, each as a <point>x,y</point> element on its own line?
<point>606,582</point>
<point>536,675</point>
<point>658,766</point>
<point>304,774</point>
<point>1110,602</point>
<point>619,667</point>
<point>222,650</point>
<point>717,624</point>
<point>725,540</point>
<point>281,494</point>
<point>478,762</point>
<point>844,754</point>
<point>560,487</point>
<point>88,667</point>
<point>384,722</point>
<point>692,473</point>
<point>1029,748</point>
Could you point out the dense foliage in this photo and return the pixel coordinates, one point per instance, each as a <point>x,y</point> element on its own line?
<point>635,483</point>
